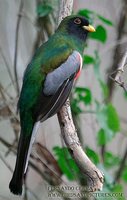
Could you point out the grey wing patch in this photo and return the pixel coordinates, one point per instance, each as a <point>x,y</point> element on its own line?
<point>56,78</point>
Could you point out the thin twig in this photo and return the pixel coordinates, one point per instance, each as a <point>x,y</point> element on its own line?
<point>118,73</point>
<point>7,103</point>
<point>121,167</point>
<point>7,66</point>
<point>5,143</point>
<point>57,177</point>
<point>119,48</point>
<point>7,165</point>
<point>25,15</point>
<point>16,45</point>
<point>40,172</point>
<point>8,145</point>
<point>37,169</point>
<point>12,146</point>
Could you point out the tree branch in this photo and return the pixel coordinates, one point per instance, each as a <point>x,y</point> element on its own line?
<point>121,167</point>
<point>7,66</point>
<point>119,47</point>
<point>4,161</point>
<point>94,176</point>
<point>118,73</point>
<point>65,9</point>
<point>16,45</point>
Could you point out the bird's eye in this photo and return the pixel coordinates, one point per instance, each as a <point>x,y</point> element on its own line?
<point>77,21</point>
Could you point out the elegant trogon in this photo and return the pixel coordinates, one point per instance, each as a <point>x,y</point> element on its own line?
<point>47,83</point>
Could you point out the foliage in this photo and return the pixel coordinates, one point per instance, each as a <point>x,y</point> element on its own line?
<point>124,174</point>
<point>105,113</point>
<point>66,163</point>
<point>88,60</point>
<point>111,160</point>
<point>109,123</point>
<point>43,10</point>
<point>92,155</point>
<point>81,95</point>
<point>90,14</point>
<point>100,34</point>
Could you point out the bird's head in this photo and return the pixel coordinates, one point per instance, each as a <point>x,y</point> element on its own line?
<point>76,25</point>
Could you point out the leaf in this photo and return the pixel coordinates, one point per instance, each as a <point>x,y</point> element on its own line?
<point>97,65</point>
<point>101,137</point>
<point>118,189</point>
<point>125,95</point>
<point>87,13</point>
<point>66,163</point>
<point>104,88</point>
<point>111,160</point>
<point>91,15</point>
<point>106,21</point>
<point>124,174</point>
<point>88,60</point>
<point>81,95</point>
<point>104,135</point>
<point>92,155</point>
<point>65,169</point>
<point>101,117</point>
<point>84,95</point>
<point>75,106</point>
<point>100,34</point>
<point>113,118</point>
<point>109,123</point>
<point>43,10</point>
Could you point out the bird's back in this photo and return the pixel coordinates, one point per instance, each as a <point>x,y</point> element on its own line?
<point>48,57</point>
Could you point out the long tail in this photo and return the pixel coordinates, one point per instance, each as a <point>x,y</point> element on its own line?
<point>24,150</point>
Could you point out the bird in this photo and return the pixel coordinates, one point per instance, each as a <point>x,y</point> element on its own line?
<point>47,83</point>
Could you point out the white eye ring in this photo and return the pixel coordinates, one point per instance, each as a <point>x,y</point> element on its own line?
<point>77,21</point>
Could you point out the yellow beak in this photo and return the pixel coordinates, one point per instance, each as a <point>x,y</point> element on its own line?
<point>89,28</point>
